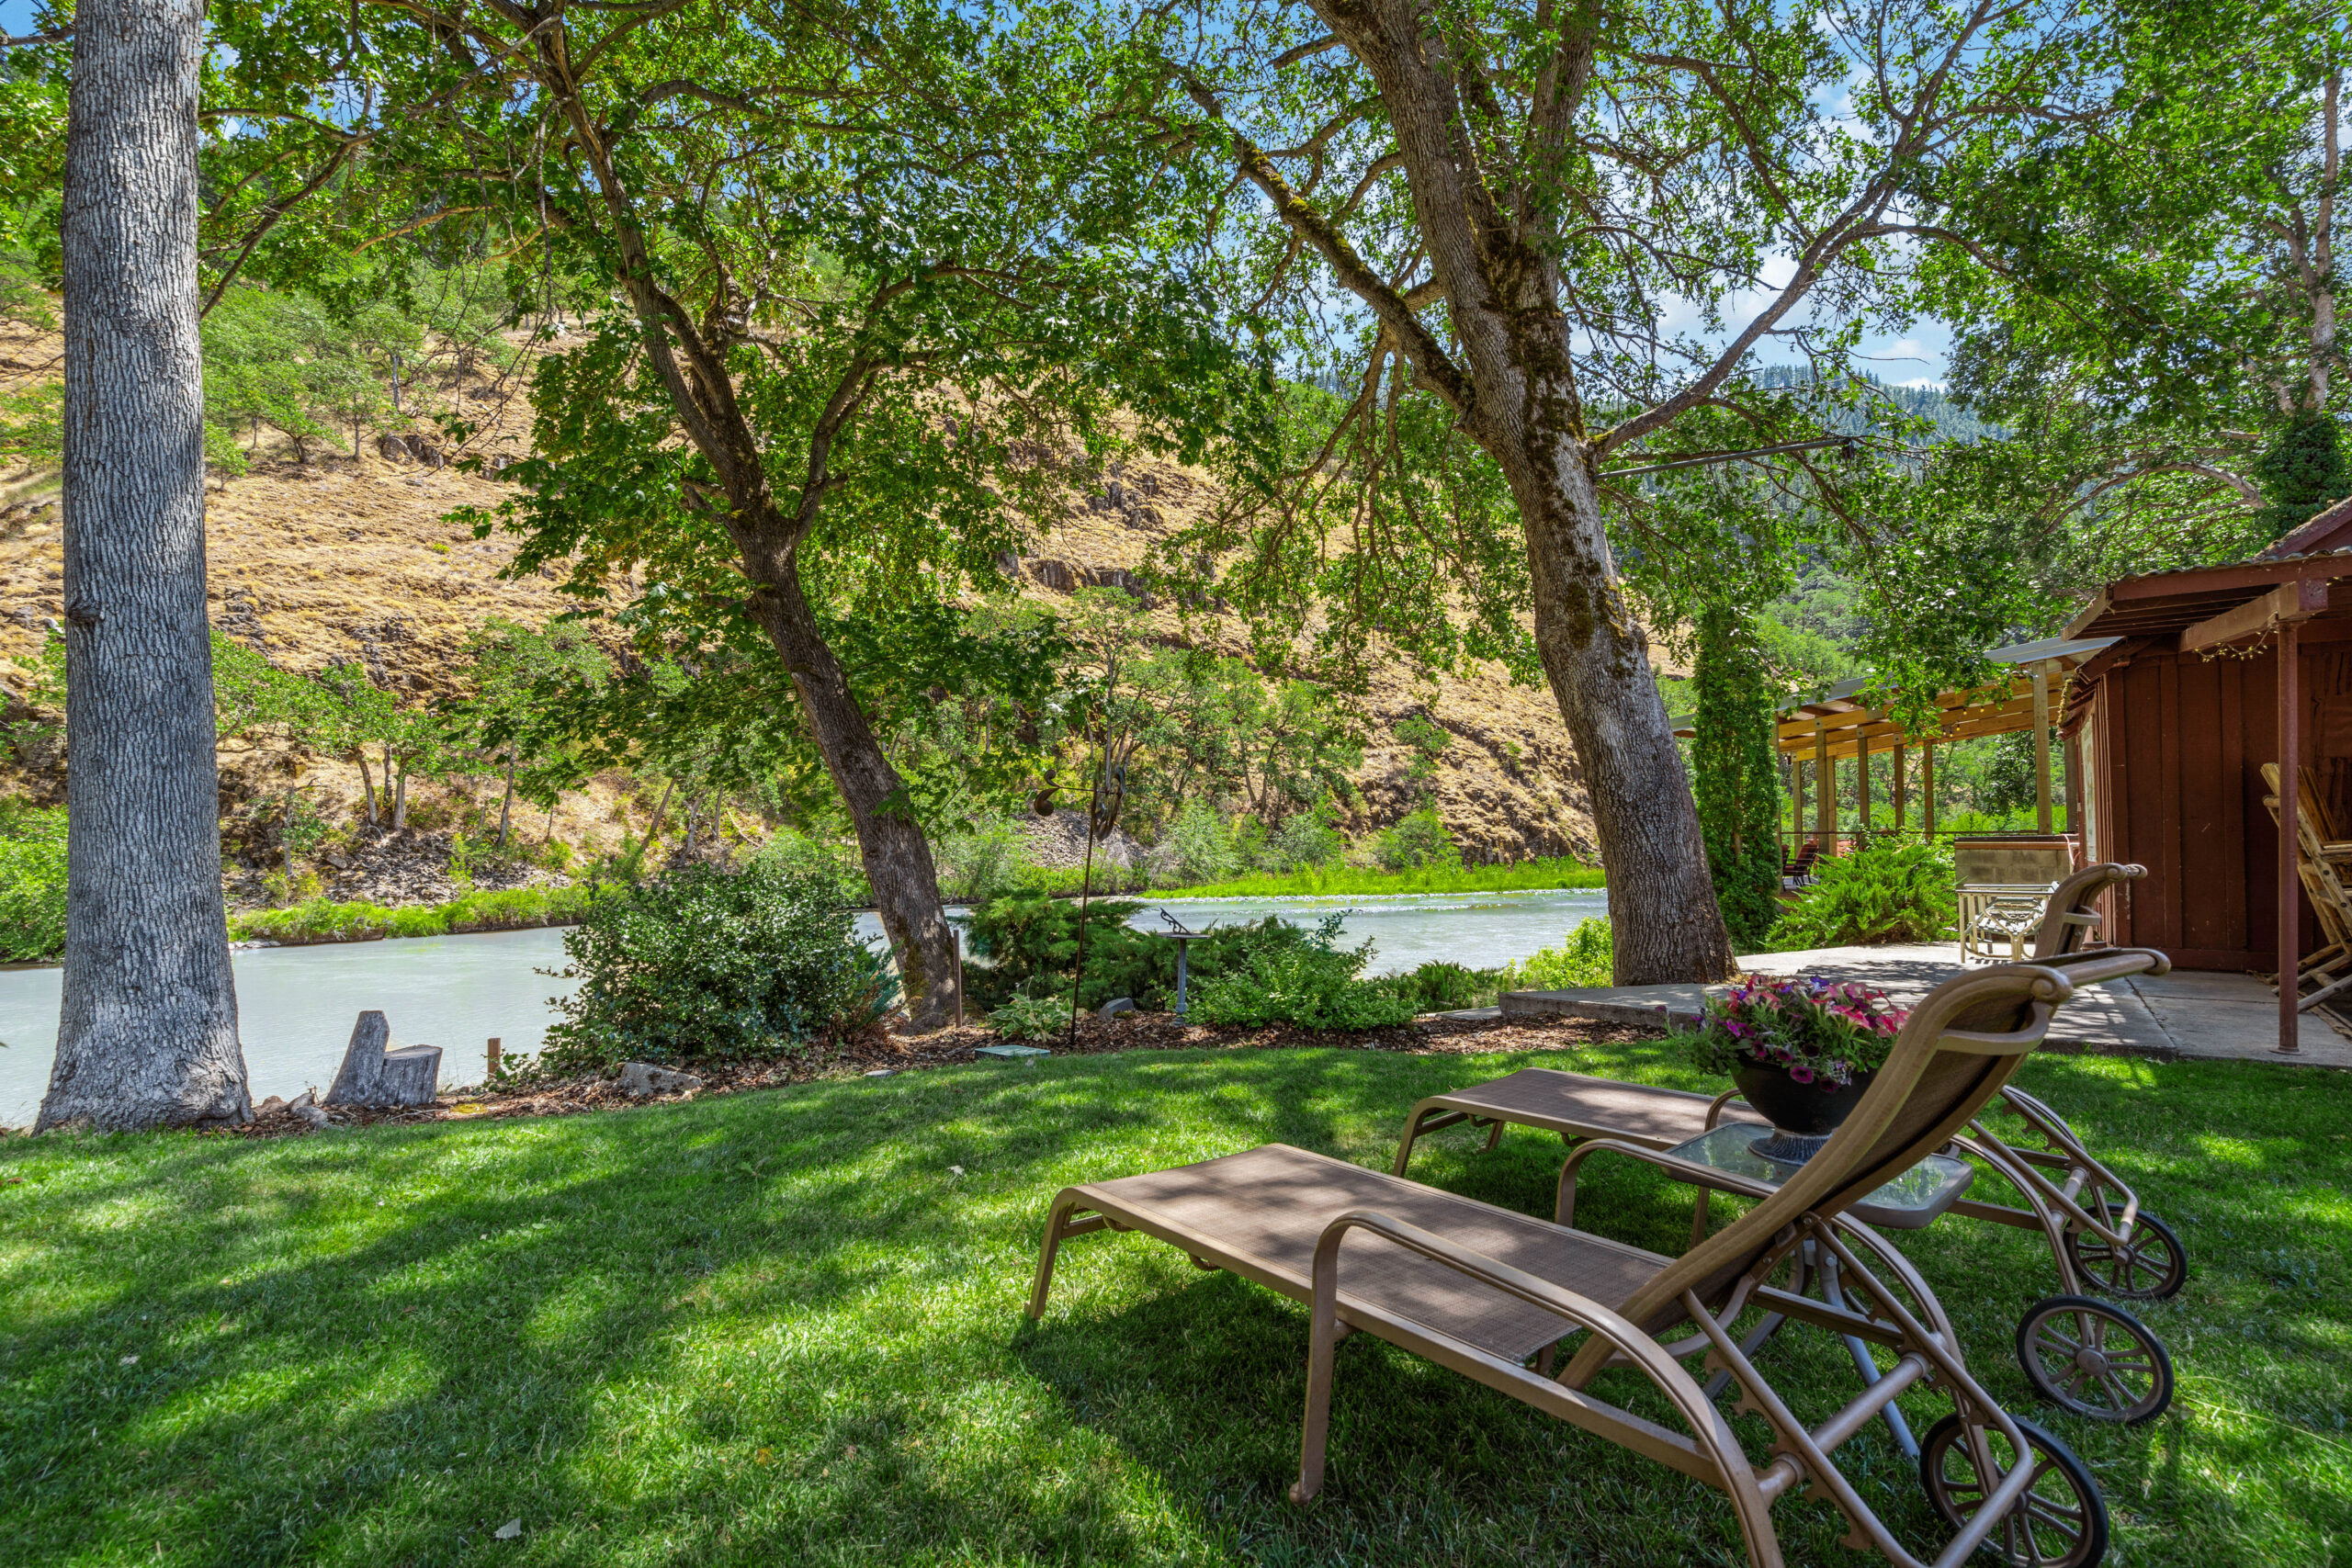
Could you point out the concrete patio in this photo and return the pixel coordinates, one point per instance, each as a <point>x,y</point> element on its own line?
<point>2197,1014</point>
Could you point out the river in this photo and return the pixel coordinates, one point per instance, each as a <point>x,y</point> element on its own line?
<point>295,1005</point>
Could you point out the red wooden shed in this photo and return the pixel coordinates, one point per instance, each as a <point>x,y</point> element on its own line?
<point>2173,722</point>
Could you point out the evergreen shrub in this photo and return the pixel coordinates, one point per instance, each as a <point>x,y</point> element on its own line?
<point>1313,983</point>
<point>1735,776</point>
<point>711,963</point>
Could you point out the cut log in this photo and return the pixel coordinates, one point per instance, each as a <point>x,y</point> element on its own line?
<point>381,1078</point>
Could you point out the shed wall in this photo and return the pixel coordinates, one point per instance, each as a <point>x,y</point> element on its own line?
<point>2177,746</point>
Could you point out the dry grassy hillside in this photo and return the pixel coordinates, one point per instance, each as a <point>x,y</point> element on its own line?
<point>345,559</point>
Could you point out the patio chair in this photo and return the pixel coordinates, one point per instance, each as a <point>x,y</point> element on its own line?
<point>1495,1294</point>
<point>2102,1243</point>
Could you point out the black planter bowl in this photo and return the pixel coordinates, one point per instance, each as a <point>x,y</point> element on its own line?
<point>1802,1114</point>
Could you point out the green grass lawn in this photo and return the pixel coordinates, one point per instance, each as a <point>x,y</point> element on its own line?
<point>783,1328</point>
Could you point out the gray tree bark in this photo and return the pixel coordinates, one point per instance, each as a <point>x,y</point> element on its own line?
<point>148,1032</point>
<point>1515,389</point>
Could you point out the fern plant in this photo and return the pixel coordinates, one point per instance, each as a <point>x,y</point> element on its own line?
<point>1888,890</point>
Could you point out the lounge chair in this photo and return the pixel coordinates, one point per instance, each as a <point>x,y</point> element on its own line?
<point>2103,1244</point>
<point>1495,1294</point>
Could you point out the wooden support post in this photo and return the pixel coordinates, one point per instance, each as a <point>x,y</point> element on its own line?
<point>1901,759</point>
<point>1825,789</point>
<point>493,1054</point>
<point>2291,796</point>
<point>2072,756</point>
<point>2041,747</point>
<point>1797,781</point>
<point>1927,790</point>
<point>1863,781</point>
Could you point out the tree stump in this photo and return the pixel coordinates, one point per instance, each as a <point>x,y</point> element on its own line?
<point>381,1079</point>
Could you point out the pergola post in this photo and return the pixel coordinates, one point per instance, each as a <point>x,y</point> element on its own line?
<point>1862,778</point>
<point>1902,759</point>
<point>1928,788</point>
<point>2291,796</point>
<point>2040,747</point>
<point>1825,789</point>
<point>1796,791</point>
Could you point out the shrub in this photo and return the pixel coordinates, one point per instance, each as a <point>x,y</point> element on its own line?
<point>1585,958</point>
<point>1419,839</point>
<point>1029,945</point>
<point>1201,845</point>
<point>1887,890</point>
<point>707,962</point>
<point>1439,987</point>
<point>1311,983</point>
<point>32,883</point>
<point>982,861</point>
<point>1031,1018</point>
<point>1305,839</point>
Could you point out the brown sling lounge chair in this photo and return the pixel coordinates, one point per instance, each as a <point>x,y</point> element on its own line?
<point>1495,1294</point>
<point>2103,1243</point>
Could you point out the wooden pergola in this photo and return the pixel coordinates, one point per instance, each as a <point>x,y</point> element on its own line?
<point>1828,729</point>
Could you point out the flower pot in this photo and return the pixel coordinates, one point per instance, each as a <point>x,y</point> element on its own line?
<point>1802,1114</point>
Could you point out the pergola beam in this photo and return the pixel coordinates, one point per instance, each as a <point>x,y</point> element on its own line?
<point>2283,605</point>
<point>2007,719</point>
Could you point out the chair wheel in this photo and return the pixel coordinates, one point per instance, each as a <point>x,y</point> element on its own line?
<point>2150,1267</point>
<point>2060,1523</point>
<point>2094,1359</point>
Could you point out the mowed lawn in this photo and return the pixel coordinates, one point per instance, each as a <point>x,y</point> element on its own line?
<point>785,1328</point>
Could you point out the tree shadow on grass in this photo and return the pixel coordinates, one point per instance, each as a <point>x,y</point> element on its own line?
<point>781,1328</point>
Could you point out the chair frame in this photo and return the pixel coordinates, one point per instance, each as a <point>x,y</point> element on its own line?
<point>1985,1021</point>
<point>2086,1214</point>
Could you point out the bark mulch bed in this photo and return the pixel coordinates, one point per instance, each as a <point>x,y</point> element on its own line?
<point>890,1051</point>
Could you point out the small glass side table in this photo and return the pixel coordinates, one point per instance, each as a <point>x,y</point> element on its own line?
<point>1909,1203</point>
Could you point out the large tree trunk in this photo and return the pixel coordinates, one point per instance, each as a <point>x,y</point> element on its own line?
<point>898,867</point>
<point>147,1034</point>
<point>1664,921</point>
<point>1516,390</point>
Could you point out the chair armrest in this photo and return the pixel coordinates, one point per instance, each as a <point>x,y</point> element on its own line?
<point>1721,1103</point>
<point>1564,1211</point>
<point>2106,963</point>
